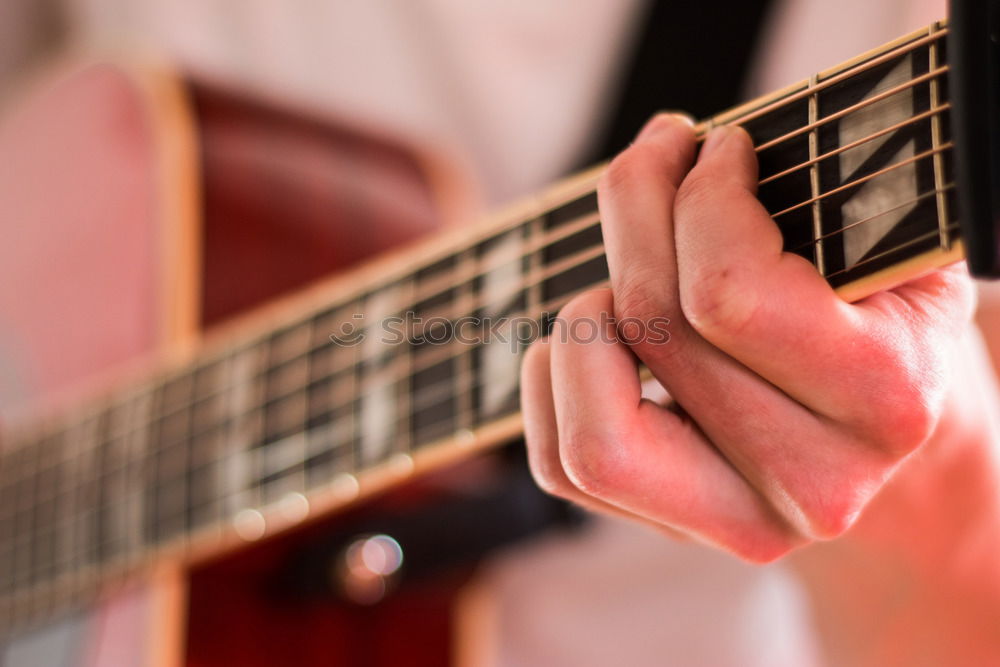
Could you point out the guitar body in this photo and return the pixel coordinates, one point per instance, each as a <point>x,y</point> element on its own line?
<point>142,209</point>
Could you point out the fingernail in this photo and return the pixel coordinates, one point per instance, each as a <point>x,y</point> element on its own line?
<point>715,138</point>
<point>654,123</point>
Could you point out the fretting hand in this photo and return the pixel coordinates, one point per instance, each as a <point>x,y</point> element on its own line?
<point>795,406</point>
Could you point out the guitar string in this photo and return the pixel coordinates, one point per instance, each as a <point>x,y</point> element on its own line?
<point>847,74</point>
<point>813,91</point>
<point>574,261</point>
<point>438,359</point>
<point>448,282</point>
<point>940,109</point>
<point>565,231</point>
<point>434,396</point>
<point>432,360</point>
<point>843,76</point>
<point>864,179</point>
<point>935,234</point>
<point>549,268</point>
<point>429,397</point>
<point>183,516</point>
<point>837,232</point>
<point>550,305</point>
<point>867,102</point>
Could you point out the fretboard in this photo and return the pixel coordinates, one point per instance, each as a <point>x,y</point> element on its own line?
<point>415,361</point>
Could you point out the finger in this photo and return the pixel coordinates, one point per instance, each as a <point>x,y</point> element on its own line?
<point>769,309</point>
<point>767,437</point>
<point>741,414</point>
<point>638,456</point>
<point>541,440</point>
<point>640,248</point>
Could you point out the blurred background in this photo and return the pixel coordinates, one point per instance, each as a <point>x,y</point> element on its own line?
<point>321,134</point>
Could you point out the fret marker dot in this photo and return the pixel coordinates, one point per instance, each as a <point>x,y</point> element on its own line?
<point>294,507</point>
<point>250,525</point>
<point>402,463</point>
<point>465,437</point>
<point>345,485</point>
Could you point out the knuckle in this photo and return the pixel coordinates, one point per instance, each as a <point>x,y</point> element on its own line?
<point>833,517</point>
<point>582,317</point>
<point>900,404</point>
<point>901,422</point>
<point>636,300</point>
<point>762,544</point>
<point>833,511</point>
<point>593,464</point>
<point>763,552</point>
<point>696,192</point>
<point>635,165</point>
<point>620,174</point>
<point>585,305</point>
<point>547,478</point>
<point>715,300</point>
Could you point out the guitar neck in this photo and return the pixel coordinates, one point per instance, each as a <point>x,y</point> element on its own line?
<point>275,425</point>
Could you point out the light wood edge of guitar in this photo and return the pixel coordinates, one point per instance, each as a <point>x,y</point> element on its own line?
<point>166,625</point>
<point>178,179</point>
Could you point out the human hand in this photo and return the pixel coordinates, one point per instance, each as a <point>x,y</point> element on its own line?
<point>795,407</point>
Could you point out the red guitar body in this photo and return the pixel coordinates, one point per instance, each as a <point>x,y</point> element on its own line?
<point>139,210</point>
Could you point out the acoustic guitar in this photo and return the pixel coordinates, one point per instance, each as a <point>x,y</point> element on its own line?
<point>121,515</point>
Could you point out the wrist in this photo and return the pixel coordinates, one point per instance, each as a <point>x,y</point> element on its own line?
<point>919,567</point>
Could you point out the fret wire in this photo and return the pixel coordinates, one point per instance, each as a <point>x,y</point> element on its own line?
<point>549,306</point>
<point>351,395</point>
<point>460,309</point>
<point>864,179</point>
<point>206,461</point>
<point>814,188</point>
<point>902,50</point>
<point>859,142</point>
<point>466,368</point>
<point>446,283</point>
<point>136,451</point>
<point>401,434</point>
<point>244,424</point>
<point>936,140</point>
<point>31,531</point>
<point>874,99</point>
<point>24,502</point>
<point>172,453</point>
<point>303,481</point>
<point>251,451</point>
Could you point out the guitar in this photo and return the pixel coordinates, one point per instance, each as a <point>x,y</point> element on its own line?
<point>409,363</point>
